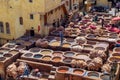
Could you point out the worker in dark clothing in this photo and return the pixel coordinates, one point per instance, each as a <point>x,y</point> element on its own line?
<point>54,23</point>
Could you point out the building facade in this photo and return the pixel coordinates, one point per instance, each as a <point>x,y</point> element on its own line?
<point>17,16</point>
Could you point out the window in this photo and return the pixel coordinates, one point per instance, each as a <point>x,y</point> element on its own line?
<point>7,28</point>
<point>31,16</point>
<point>21,20</point>
<point>1,27</point>
<point>31,1</point>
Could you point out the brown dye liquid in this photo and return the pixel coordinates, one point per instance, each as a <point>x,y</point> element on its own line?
<point>56,59</point>
<point>46,58</point>
<point>78,72</point>
<point>117,49</point>
<point>7,55</point>
<point>66,45</point>
<point>20,47</point>
<point>62,70</point>
<point>57,54</point>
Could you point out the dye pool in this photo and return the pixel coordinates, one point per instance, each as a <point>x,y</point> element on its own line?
<point>69,54</point>
<point>20,47</point>
<point>47,58</point>
<point>63,69</point>
<point>13,52</point>
<point>46,52</point>
<point>28,54</point>
<point>105,77</point>
<point>7,55</point>
<point>2,58</point>
<point>67,60</point>
<point>56,59</point>
<point>10,46</point>
<point>93,75</point>
<point>99,48</point>
<point>37,56</point>
<point>66,45</point>
<point>55,43</point>
<point>57,53</point>
<point>34,49</point>
<point>79,72</point>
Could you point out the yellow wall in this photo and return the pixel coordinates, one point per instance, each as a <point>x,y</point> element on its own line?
<point>11,10</point>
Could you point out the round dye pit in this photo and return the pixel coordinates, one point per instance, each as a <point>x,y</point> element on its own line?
<point>116,54</point>
<point>2,58</point>
<point>81,41</point>
<point>117,49</point>
<point>7,55</point>
<point>4,50</point>
<point>69,40</point>
<point>67,60</point>
<point>14,52</point>
<point>27,43</point>
<point>78,71</point>
<point>105,77</point>
<point>93,75</point>
<point>46,58</point>
<point>34,49</point>
<point>99,48</point>
<point>66,45</point>
<point>118,41</point>
<point>28,55</point>
<point>69,54</point>
<point>63,69</point>
<point>55,43</point>
<point>56,59</point>
<point>37,56</point>
<point>91,42</point>
<point>91,36</point>
<point>57,53</point>
<point>88,47</point>
<point>115,58</point>
<point>1,53</point>
<point>46,52</point>
<point>10,46</point>
<point>20,47</point>
<point>82,34</point>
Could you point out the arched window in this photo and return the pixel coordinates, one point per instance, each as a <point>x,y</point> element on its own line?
<point>1,27</point>
<point>7,28</point>
<point>21,20</point>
